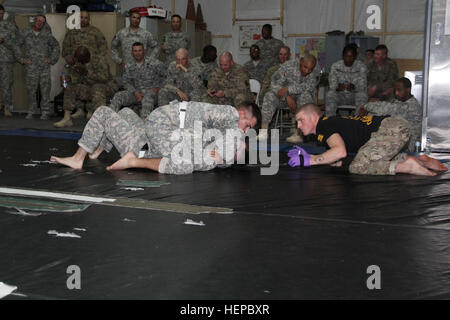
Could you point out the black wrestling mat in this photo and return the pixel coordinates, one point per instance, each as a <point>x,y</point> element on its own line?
<point>304,233</point>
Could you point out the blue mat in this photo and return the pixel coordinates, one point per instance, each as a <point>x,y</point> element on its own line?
<point>41,134</point>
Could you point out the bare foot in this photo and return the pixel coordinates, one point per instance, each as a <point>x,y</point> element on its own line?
<point>124,163</point>
<point>96,153</point>
<point>432,163</point>
<point>69,162</point>
<point>413,166</point>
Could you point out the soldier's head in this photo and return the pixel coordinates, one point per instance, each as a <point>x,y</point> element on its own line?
<point>226,61</point>
<point>85,19</point>
<point>349,55</point>
<point>249,116</point>
<point>380,55</point>
<point>39,22</point>
<point>307,117</point>
<point>2,12</point>
<point>266,31</point>
<point>255,52</point>
<point>182,57</point>
<point>176,22</point>
<point>369,53</point>
<point>402,89</point>
<point>209,54</point>
<point>82,55</point>
<point>138,51</point>
<point>284,54</point>
<point>307,64</point>
<point>135,20</point>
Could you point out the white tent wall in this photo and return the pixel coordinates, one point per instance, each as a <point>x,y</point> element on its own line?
<point>402,32</point>
<point>403,29</point>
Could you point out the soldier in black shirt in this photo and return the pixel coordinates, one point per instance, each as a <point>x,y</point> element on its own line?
<point>376,140</point>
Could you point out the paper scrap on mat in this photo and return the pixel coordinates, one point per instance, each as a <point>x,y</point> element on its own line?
<point>80,229</point>
<point>128,220</point>
<point>21,212</point>
<point>132,189</point>
<point>63,235</point>
<point>6,290</point>
<point>193,223</point>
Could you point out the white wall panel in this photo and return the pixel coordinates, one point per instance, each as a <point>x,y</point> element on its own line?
<point>405,47</point>
<point>317,16</point>
<point>406,15</point>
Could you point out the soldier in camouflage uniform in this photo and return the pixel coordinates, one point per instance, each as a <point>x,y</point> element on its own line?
<point>183,81</point>
<point>88,36</point>
<point>347,82</point>
<point>9,52</point>
<point>229,84</point>
<point>269,47</point>
<point>142,80</point>
<point>293,85</point>
<point>126,37</point>
<point>40,51</point>
<point>162,132</point>
<point>405,106</point>
<point>89,81</point>
<point>381,76</point>
<point>206,64</point>
<point>283,56</point>
<point>255,67</point>
<point>172,41</point>
<point>376,140</point>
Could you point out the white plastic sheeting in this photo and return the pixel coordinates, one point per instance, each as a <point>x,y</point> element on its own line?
<point>300,17</point>
<point>406,15</point>
<point>318,16</point>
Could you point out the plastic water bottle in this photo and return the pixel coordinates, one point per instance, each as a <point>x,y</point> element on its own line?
<point>417,147</point>
<point>64,81</point>
<point>44,8</point>
<point>428,145</point>
<point>117,6</point>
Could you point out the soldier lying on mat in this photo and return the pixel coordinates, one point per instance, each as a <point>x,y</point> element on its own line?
<point>182,137</point>
<point>377,140</point>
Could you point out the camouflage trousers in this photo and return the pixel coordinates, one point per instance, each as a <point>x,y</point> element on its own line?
<point>38,78</point>
<point>380,155</point>
<point>97,95</point>
<point>6,82</point>
<point>236,101</point>
<point>123,130</point>
<point>166,95</point>
<point>335,99</point>
<point>127,98</point>
<point>272,103</point>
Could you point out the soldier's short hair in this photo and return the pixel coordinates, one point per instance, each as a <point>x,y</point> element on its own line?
<point>267,26</point>
<point>405,81</point>
<point>41,15</point>
<point>286,48</point>
<point>382,47</point>
<point>136,44</point>
<point>254,109</point>
<point>209,53</point>
<point>177,16</point>
<point>350,47</point>
<point>2,8</point>
<point>309,108</point>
